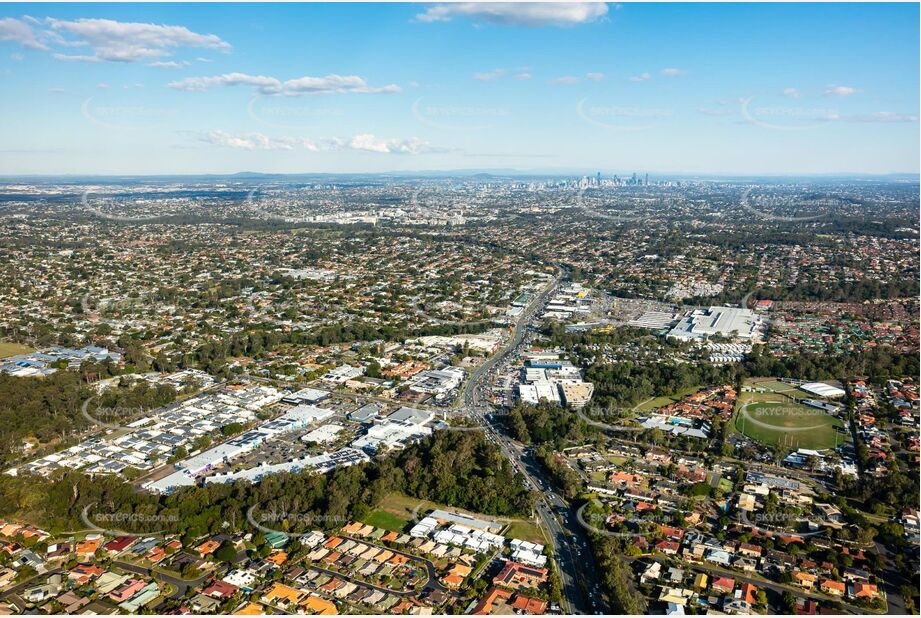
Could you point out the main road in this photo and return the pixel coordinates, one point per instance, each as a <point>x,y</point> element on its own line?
<point>474,384</point>
<point>573,554</point>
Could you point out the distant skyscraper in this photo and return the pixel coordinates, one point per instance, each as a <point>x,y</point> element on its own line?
<point>598,179</point>
<point>647,179</point>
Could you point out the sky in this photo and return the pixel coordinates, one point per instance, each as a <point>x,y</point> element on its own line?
<point>657,88</point>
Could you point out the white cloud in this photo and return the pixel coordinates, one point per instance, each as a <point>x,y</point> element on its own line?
<point>488,76</point>
<point>370,143</point>
<point>642,77</point>
<point>105,40</point>
<point>793,93</point>
<point>17,56</point>
<point>198,84</point>
<point>569,80</point>
<point>292,87</point>
<point>522,76</point>
<point>76,57</point>
<point>672,72</point>
<point>566,80</point>
<point>169,64</point>
<point>518,14</point>
<point>255,141</point>
<point>114,41</point>
<point>840,91</point>
<point>363,142</point>
<point>21,32</point>
<point>103,86</point>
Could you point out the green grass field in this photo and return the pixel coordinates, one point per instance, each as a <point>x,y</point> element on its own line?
<point>403,507</point>
<point>658,402</point>
<point>396,512</point>
<point>526,531</point>
<point>387,521</point>
<point>774,421</point>
<point>775,386</point>
<point>12,349</point>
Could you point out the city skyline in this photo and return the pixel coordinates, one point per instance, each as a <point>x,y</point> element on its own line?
<point>679,89</point>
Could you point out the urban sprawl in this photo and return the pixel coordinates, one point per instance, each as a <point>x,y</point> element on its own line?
<point>587,394</point>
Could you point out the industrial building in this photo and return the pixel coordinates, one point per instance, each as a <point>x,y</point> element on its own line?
<point>730,322</point>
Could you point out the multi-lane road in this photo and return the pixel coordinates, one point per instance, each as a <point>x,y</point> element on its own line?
<point>579,578</point>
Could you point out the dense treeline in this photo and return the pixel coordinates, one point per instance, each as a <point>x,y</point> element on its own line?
<point>572,340</point>
<point>127,398</point>
<point>460,469</point>
<point>49,410</point>
<point>849,291</point>
<point>544,422</point>
<point>563,475</point>
<point>878,364</point>
<point>626,384</point>
<point>463,469</point>
<point>256,341</point>
<point>616,576</point>
<point>45,409</point>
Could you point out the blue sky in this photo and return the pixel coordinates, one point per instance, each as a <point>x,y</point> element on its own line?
<point>696,88</point>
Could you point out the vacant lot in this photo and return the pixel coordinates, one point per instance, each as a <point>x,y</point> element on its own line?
<point>387,521</point>
<point>526,531</point>
<point>12,349</point>
<point>659,402</point>
<point>398,512</point>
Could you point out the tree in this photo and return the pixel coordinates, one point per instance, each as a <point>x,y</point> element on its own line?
<point>226,552</point>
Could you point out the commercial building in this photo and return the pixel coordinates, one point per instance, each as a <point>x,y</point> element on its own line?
<point>306,395</point>
<point>730,322</point>
<point>342,374</point>
<point>577,395</point>
<point>822,390</point>
<point>535,392</point>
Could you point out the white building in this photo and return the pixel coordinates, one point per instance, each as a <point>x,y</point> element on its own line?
<point>342,374</point>
<point>731,322</point>
<point>535,392</point>
<point>822,390</point>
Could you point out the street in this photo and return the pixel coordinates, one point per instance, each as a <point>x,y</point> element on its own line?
<point>580,583</point>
